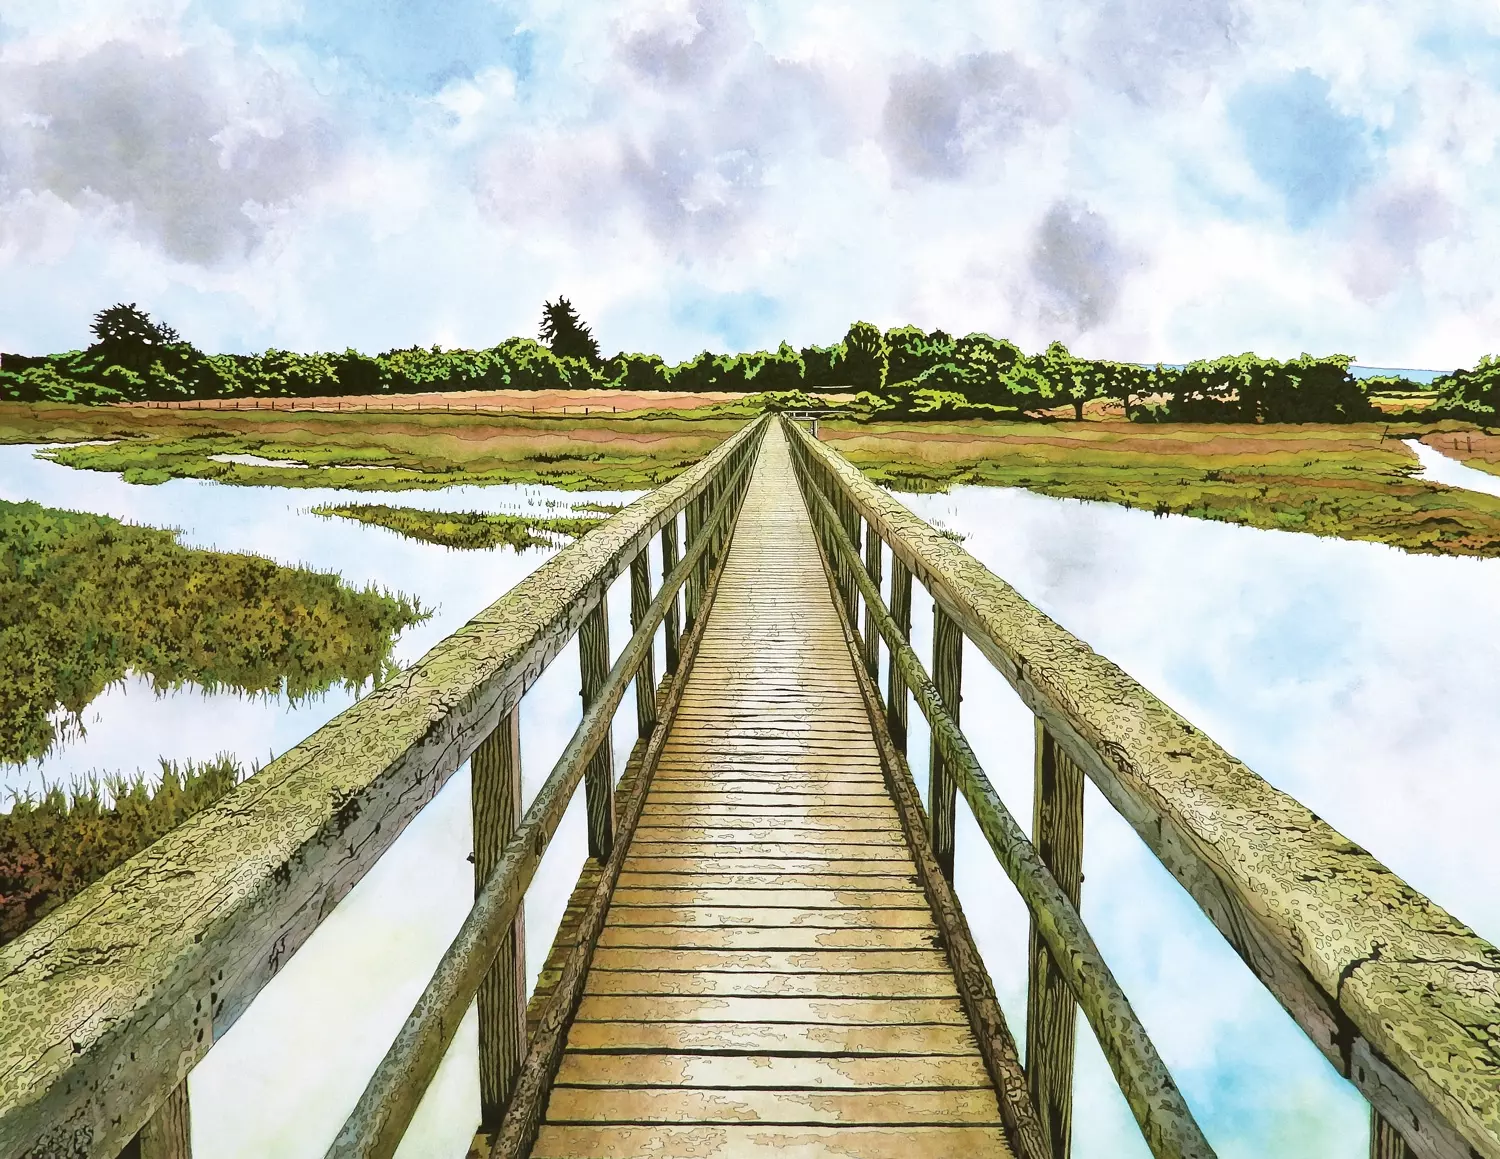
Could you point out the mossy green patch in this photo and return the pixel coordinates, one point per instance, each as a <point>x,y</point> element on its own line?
<point>470,530</point>
<point>84,599</point>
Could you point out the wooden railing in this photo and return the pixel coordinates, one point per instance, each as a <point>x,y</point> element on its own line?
<point>1398,995</point>
<point>107,1004</point>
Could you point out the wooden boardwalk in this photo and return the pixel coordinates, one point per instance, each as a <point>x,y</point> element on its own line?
<point>769,979</point>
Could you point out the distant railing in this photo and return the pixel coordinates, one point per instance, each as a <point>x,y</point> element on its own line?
<point>1399,996</point>
<point>108,1003</point>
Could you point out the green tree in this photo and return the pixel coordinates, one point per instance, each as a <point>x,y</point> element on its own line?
<point>566,335</point>
<point>866,358</point>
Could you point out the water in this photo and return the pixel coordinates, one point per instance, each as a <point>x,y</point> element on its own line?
<point>1357,678</point>
<point>282,1080</point>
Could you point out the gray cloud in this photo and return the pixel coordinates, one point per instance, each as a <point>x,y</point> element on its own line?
<point>1149,49</point>
<point>1077,266</point>
<point>665,55</point>
<point>939,119</point>
<point>1394,225</point>
<point>191,151</point>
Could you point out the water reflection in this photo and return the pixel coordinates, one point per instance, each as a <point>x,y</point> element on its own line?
<point>1353,676</point>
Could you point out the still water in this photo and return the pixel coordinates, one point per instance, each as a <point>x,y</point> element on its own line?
<point>1355,677</point>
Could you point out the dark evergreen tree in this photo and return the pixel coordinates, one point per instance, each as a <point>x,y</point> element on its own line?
<point>127,336</point>
<point>566,335</point>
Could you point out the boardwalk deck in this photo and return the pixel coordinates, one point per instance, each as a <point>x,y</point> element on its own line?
<point>769,978</point>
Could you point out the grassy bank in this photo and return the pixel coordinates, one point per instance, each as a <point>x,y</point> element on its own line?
<point>53,846</point>
<point>469,530</point>
<point>1353,481</point>
<point>418,449</point>
<point>84,599</point>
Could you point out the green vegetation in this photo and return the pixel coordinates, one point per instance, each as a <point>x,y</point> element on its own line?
<point>53,846</point>
<point>84,599</point>
<point>470,530</point>
<point>362,452</point>
<point>1352,481</point>
<point>904,372</point>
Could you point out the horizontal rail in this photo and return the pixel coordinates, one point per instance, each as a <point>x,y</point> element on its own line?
<point>1400,996</point>
<point>1158,1106</point>
<point>379,1120</point>
<point>107,1003</point>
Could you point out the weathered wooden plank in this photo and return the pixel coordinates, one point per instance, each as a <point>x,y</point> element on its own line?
<point>1390,987</point>
<point>890,1072</point>
<point>747,847</point>
<point>768,1142</point>
<point>109,1000</point>
<point>742,896</point>
<point>839,1108</point>
<point>792,962</point>
<point>723,917</point>
<point>763,938</point>
<point>690,878</point>
<point>734,862</point>
<point>780,1038</point>
<point>771,985</point>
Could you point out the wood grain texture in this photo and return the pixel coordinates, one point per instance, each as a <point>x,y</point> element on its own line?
<point>599,780</point>
<point>645,679</point>
<point>767,917</point>
<point>1396,993</point>
<point>942,789</point>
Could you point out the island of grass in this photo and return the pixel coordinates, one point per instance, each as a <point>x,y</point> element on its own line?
<point>84,599</point>
<point>470,530</point>
<point>1350,480</point>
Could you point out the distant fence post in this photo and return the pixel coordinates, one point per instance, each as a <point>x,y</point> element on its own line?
<point>495,774</point>
<point>1051,1009</point>
<point>599,780</point>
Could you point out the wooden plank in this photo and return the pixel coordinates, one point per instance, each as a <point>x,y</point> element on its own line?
<point>786,1072</point>
<point>735,862</point>
<point>768,1142</point>
<point>705,895</point>
<point>779,1038</point>
<point>789,962</point>
<point>765,984</point>
<point>840,1108</point>
<point>792,851</point>
<point>838,1011</point>
<point>690,878</point>
<point>805,938</point>
<point>722,917</point>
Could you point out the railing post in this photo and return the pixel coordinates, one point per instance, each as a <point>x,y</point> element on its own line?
<point>668,562</point>
<point>873,552</point>
<point>942,788</point>
<point>1051,1010</point>
<point>695,578</point>
<point>168,1133</point>
<point>896,697</point>
<point>495,779</point>
<point>645,676</point>
<point>599,780</point>
<point>1385,1142</point>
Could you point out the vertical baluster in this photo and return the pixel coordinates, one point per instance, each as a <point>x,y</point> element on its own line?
<point>645,677</point>
<point>495,775</point>
<point>873,565</point>
<point>695,582</point>
<point>896,698</point>
<point>668,562</point>
<point>1385,1143</point>
<point>599,780</point>
<point>168,1133</point>
<point>1051,1011</point>
<point>852,523</point>
<point>942,789</point>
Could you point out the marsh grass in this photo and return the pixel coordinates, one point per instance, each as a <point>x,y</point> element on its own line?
<point>56,843</point>
<point>468,530</point>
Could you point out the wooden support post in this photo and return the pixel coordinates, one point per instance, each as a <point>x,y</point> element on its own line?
<point>599,780</point>
<point>942,789</point>
<point>1051,1010</point>
<point>668,562</point>
<point>645,676</point>
<point>1385,1142</point>
<point>168,1133</point>
<point>873,565</point>
<point>896,697</point>
<point>495,776</point>
<point>694,583</point>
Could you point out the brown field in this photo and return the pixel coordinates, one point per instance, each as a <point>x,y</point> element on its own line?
<point>548,402</point>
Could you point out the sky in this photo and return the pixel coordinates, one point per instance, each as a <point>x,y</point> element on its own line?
<point>1142,179</point>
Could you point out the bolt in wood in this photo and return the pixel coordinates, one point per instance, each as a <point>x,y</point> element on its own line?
<point>1051,1010</point>
<point>942,789</point>
<point>599,780</point>
<point>645,677</point>
<point>495,775</point>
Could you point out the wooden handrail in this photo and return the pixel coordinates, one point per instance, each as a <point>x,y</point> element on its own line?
<point>379,1120</point>
<point>1398,995</point>
<point>1158,1106</point>
<point>107,1003</point>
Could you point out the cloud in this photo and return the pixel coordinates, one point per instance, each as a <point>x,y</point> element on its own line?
<point>691,50</point>
<point>189,151</point>
<point>1147,49</point>
<point>1300,145</point>
<point>1077,266</point>
<point>1394,227</point>
<point>940,119</point>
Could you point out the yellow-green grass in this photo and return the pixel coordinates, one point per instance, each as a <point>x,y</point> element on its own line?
<point>359,451</point>
<point>1353,481</point>
<point>468,530</point>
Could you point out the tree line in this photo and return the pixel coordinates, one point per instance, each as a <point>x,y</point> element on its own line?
<point>897,373</point>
